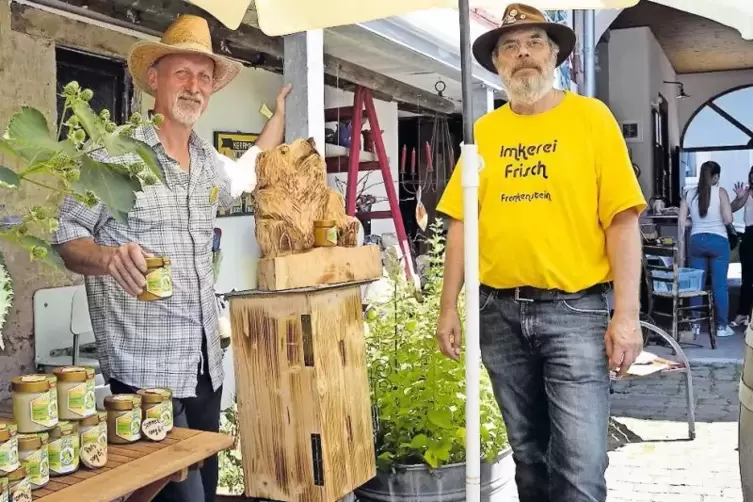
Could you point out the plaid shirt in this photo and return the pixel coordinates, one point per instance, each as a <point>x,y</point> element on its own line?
<point>158,344</point>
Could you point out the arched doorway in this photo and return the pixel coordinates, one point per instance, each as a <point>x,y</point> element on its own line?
<point>721,130</point>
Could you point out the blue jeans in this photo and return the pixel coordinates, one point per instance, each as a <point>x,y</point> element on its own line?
<point>548,366</point>
<point>710,252</point>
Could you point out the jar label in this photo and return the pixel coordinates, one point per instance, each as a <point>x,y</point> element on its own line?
<point>94,456</point>
<point>64,454</point>
<point>332,235</point>
<point>9,455</point>
<point>128,425</point>
<point>91,435</point>
<point>44,410</point>
<point>81,401</point>
<point>38,467</point>
<point>162,412</point>
<point>91,395</point>
<point>54,405</point>
<point>159,283</point>
<point>154,429</point>
<point>21,492</point>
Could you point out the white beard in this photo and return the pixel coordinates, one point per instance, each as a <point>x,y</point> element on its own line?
<point>185,112</point>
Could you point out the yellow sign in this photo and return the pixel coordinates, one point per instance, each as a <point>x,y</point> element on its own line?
<point>233,144</point>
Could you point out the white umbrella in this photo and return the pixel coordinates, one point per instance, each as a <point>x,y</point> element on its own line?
<point>284,17</point>
<point>737,14</point>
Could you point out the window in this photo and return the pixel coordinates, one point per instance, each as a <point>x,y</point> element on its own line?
<point>724,123</point>
<point>107,78</point>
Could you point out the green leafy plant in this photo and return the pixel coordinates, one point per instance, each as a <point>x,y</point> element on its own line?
<point>230,460</point>
<point>6,296</point>
<point>72,166</point>
<point>418,394</point>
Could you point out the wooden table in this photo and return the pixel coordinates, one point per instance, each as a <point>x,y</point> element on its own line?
<point>142,468</point>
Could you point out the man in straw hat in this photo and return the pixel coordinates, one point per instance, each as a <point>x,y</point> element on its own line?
<point>174,342</point>
<point>558,225</point>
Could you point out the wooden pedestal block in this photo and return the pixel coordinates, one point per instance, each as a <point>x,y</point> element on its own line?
<point>302,389</point>
<point>320,266</point>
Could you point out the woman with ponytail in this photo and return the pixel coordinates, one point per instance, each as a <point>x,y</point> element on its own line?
<point>710,212</point>
<point>744,199</point>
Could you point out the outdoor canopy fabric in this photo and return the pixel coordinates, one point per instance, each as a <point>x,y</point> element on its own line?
<point>283,17</point>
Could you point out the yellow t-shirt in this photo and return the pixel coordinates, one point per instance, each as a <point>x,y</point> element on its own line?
<point>550,185</point>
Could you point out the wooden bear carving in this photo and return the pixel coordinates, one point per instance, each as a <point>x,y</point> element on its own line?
<point>291,193</point>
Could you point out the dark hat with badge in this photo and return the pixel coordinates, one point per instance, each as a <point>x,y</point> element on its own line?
<point>519,16</point>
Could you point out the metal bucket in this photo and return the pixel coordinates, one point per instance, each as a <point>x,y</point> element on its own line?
<point>418,483</point>
<point>745,426</point>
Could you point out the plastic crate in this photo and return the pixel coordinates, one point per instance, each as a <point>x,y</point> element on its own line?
<point>690,279</point>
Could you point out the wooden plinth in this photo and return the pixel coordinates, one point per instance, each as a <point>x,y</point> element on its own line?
<point>303,394</point>
<point>320,266</point>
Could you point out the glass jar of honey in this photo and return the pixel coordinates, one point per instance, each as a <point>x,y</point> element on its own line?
<point>159,281</point>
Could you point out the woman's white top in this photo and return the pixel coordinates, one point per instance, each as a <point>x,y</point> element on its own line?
<point>712,223</point>
<point>748,215</point>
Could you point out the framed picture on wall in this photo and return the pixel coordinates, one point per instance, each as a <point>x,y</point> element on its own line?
<point>233,145</point>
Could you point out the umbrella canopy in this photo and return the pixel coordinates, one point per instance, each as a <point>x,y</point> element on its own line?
<point>737,14</point>
<point>283,17</point>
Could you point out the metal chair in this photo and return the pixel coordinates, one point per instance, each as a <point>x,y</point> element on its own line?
<point>682,365</point>
<point>670,274</point>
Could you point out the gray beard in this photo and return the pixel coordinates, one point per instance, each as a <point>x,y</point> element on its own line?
<point>528,90</point>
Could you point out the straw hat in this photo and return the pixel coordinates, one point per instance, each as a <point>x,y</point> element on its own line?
<point>517,16</point>
<point>186,35</point>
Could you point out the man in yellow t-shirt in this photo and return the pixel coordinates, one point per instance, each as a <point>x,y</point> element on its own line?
<point>558,227</point>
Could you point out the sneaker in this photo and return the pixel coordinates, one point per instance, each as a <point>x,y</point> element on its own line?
<point>740,320</point>
<point>725,331</point>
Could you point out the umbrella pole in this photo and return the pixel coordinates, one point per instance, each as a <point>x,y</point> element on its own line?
<point>470,181</point>
<point>589,51</point>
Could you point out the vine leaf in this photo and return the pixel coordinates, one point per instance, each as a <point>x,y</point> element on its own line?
<point>92,124</point>
<point>116,145</point>
<point>112,184</point>
<point>120,145</point>
<point>30,242</point>
<point>9,178</point>
<point>5,149</point>
<point>28,136</point>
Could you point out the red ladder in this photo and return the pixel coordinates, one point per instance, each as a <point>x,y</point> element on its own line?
<point>364,101</point>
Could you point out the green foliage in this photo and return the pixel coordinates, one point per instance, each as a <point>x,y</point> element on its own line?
<point>230,462</point>
<point>6,296</point>
<point>417,393</point>
<point>71,167</point>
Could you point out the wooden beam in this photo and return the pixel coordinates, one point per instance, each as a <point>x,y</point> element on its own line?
<point>157,15</point>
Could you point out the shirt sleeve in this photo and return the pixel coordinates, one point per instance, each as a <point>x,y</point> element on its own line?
<point>618,185</point>
<point>78,221</point>
<point>451,202</point>
<point>241,172</point>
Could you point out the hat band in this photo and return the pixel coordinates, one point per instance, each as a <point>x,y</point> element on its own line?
<point>190,46</point>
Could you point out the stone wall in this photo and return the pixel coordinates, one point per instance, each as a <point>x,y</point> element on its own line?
<point>27,77</point>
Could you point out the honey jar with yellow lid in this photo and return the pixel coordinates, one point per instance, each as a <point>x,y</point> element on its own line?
<point>76,398</point>
<point>159,281</point>
<point>123,418</point>
<point>158,403</point>
<point>34,408</point>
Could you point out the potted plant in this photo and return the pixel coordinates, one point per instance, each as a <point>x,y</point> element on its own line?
<point>418,397</point>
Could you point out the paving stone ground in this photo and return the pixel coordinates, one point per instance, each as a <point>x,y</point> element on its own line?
<point>651,457</point>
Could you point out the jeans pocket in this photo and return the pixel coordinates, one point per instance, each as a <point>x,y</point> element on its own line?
<point>485,298</point>
<point>589,304</point>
